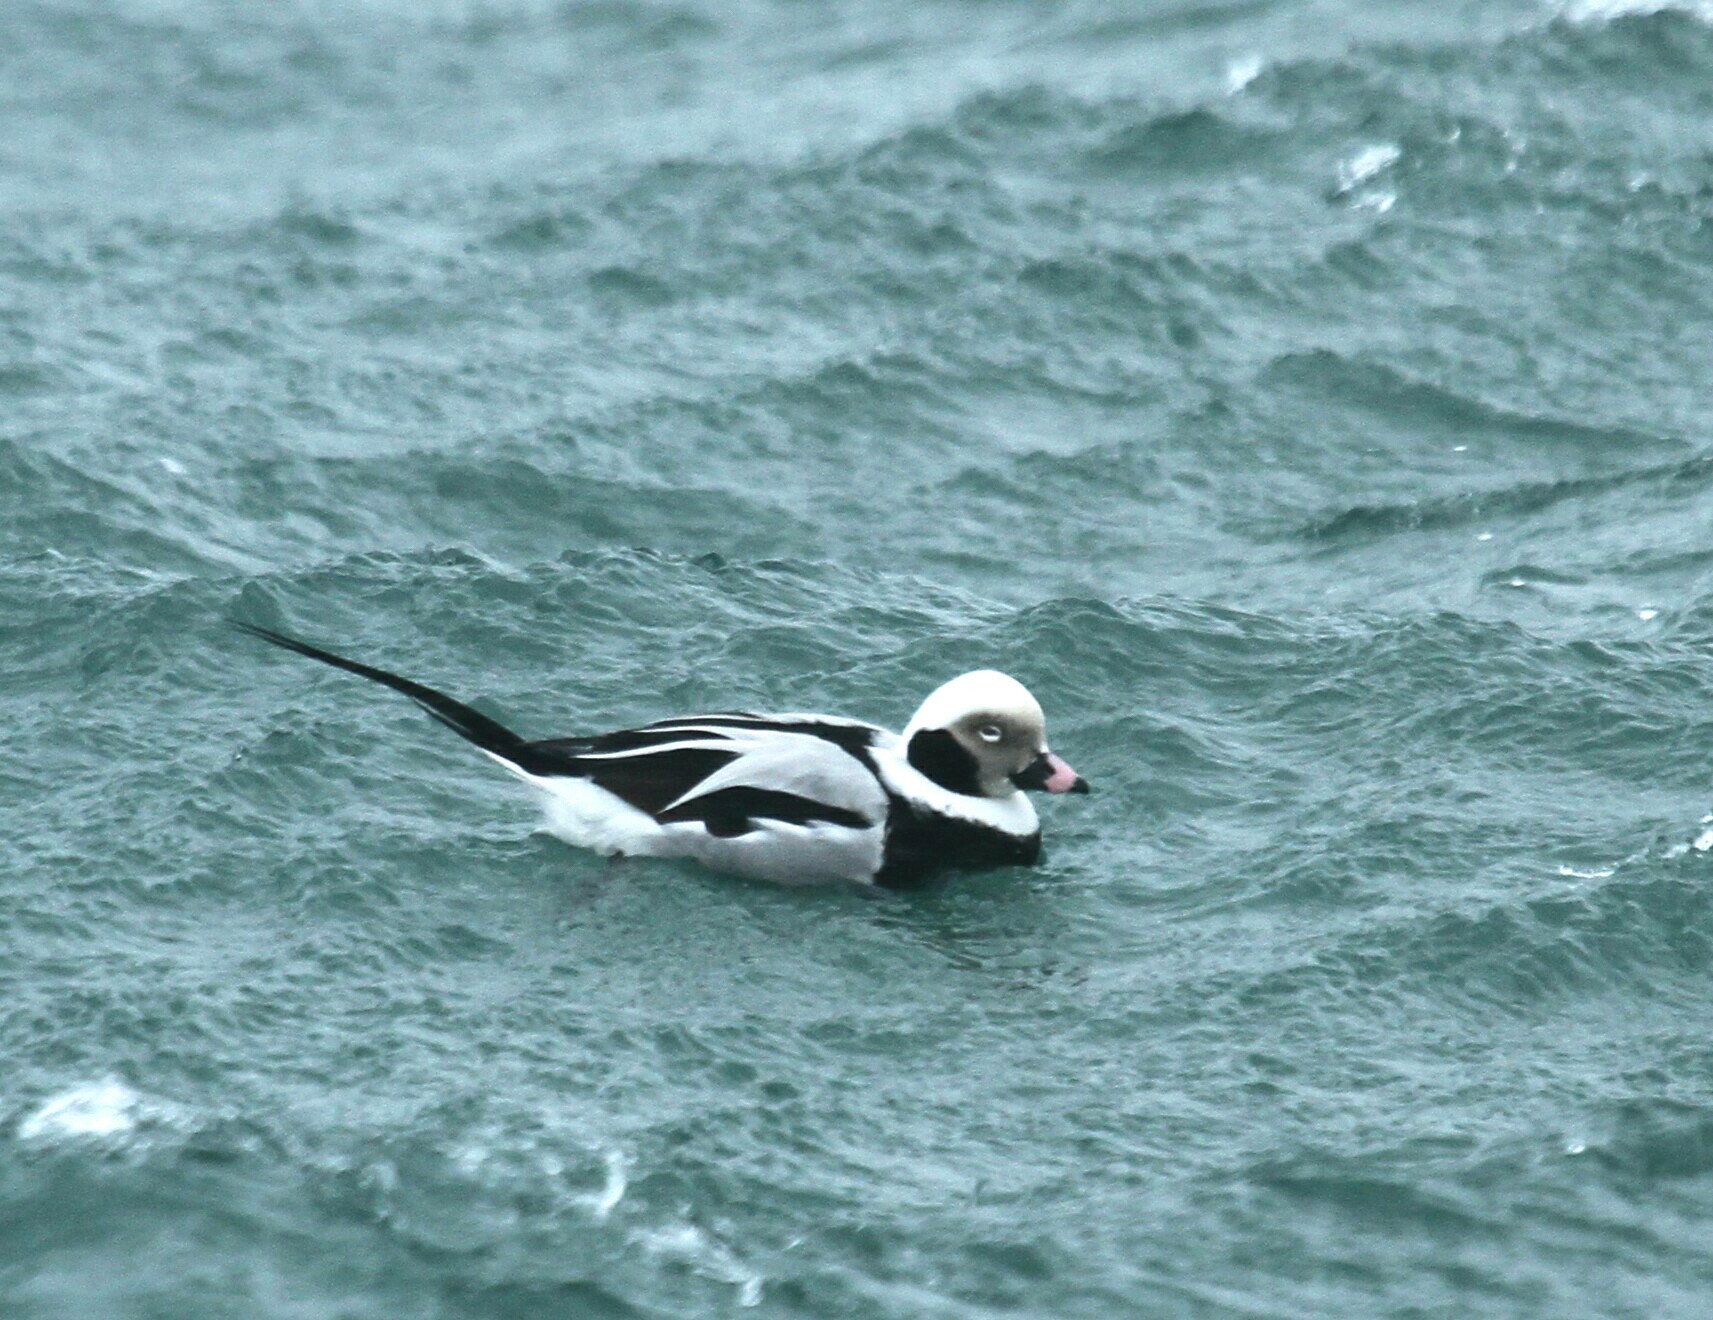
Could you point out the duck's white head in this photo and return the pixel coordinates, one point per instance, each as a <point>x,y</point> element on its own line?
<point>983,735</point>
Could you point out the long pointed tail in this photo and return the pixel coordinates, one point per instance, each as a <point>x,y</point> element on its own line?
<point>490,735</point>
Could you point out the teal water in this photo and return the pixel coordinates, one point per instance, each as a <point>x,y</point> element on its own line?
<point>1308,401</point>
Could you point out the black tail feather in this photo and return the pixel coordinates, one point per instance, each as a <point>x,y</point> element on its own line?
<point>489,735</point>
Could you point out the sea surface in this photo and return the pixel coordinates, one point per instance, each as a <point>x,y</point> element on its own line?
<point>1312,402</point>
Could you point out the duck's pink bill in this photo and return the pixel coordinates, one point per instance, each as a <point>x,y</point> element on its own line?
<point>1062,779</point>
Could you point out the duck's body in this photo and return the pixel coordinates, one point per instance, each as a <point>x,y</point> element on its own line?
<point>794,799</point>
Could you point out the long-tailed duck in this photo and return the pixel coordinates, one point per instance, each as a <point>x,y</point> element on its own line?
<point>796,799</point>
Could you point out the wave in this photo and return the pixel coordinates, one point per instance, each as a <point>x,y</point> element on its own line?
<point>1670,481</point>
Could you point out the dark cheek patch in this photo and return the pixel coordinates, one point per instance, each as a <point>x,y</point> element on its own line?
<point>939,756</point>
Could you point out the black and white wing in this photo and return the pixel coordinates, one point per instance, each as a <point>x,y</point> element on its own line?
<point>731,773</point>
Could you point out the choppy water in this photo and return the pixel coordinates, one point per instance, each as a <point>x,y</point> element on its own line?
<point>1309,401</point>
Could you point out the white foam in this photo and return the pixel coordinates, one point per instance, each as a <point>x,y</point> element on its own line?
<point>1241,72</point>
<point>102,1110</point>
<point>614,1190</point>
<point>1600,11</point>
<point>1700,843</point>
<point>1367,163</point>
<point>704,1255</point>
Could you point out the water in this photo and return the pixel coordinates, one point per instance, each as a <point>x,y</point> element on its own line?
<point>1308,401</point>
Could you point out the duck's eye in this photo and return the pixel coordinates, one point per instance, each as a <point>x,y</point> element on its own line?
<point>990,733</point>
